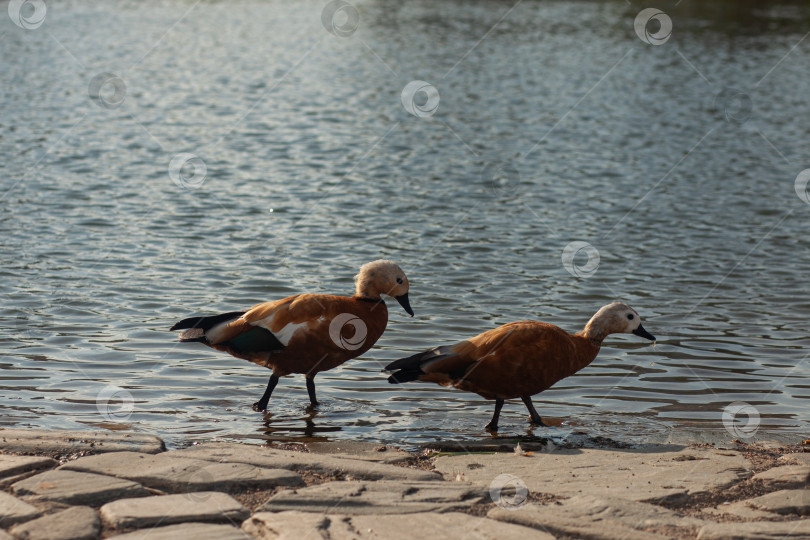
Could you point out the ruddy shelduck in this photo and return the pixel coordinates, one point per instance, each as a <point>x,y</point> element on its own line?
<point>305,333</point>
<point>518,359</point>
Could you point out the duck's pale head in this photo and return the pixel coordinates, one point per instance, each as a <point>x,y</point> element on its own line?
<point>616,318</point>
<point>383,277</point>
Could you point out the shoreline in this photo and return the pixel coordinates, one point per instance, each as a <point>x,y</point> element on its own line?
<point>96,484</point>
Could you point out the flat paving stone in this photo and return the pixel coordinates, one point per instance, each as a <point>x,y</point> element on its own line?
<point>355,469</point>
<point>739,509</point>
<point>785,477</point>
<point>42,441</point>
<point>172,472</point>
<point>75,523</point>
<point>186,531</point>
<point>204,506</point>
<point>365,451</point>
<point>648,474</point>
<point>802,458</point>
<point>786,501</point>
<point>13,510</point>
<point>382,497</point>
<point>11,465</point>
<point>591,516</point>
<point>73,487</point>
<point>767,530</point>
<point>448,526</point>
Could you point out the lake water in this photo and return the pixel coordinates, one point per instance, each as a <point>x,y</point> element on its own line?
<point>545,123</point>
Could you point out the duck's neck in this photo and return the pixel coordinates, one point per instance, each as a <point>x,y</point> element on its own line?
<point>365,290</point>
<point>595,332</point>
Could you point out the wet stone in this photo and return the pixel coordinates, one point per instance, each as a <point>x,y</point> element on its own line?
<point>203,506</point>
<point>383,497</point>
<point>13,510</point>
<point>187,531</point>
<point>76,523</point>
<point>72,487</point>
<point>42,441</point>
<point>170,472</point>
<point>449,526</point>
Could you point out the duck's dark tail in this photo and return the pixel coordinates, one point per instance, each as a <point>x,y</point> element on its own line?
<point>196,327</point>
<point>410,368</point>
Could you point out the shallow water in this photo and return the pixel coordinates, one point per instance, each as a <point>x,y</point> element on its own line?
<point>555,124</point>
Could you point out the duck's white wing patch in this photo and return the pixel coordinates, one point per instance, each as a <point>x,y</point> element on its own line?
<point>285,334</point>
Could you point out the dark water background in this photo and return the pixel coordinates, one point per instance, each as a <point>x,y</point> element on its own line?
<point>556,124</point>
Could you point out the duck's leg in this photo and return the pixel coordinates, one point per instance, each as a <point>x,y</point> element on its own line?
<point>313,402</point>
<point>536,420</point>
<point>261,405</point>
<point>493,424</point>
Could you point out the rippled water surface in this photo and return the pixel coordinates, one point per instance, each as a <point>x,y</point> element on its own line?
<point>555,124</point>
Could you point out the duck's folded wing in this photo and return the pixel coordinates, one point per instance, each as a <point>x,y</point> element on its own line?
<point>440,365</point>
<point>265,328</point>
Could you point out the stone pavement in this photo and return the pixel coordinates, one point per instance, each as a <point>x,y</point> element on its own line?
<point>85,485</point>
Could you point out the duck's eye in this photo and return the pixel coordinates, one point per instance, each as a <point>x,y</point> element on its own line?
<point>399,280</point>
<point>630,316</point>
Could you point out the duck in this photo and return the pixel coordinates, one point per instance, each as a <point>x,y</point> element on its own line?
<point>517,360</point>
<point>305,333</point>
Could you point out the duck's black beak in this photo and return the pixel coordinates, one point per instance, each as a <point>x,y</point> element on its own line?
<point>406,305</point>
<point>643,333</point>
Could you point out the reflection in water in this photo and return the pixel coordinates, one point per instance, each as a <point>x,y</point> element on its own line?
<point>291,430</point>
<point>675,162</point>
